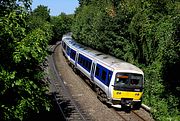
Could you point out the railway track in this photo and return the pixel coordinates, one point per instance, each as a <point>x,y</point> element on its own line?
<point>70,109</point>
<point>131,116</point>
<point>69,106</point>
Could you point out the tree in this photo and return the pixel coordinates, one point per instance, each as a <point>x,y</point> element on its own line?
<point>61,25</point>
<point>42,12</point>
<point>22,52</point>
<point>145,33</point>
<point>10,5</point>
<point>38,17</point>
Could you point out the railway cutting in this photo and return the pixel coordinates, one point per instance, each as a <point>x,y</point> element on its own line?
<point>78,101</point>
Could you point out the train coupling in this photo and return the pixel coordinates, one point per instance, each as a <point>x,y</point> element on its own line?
<point>127,102</point>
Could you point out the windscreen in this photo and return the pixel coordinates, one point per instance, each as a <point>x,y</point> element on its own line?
<point>125,81</point>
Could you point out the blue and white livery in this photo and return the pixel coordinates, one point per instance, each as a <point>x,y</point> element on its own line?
<point>116,82</point>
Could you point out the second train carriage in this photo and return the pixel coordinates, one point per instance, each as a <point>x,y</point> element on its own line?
<point>117,82</point>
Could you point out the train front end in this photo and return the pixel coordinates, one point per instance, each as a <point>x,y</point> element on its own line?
<point>127,90</point>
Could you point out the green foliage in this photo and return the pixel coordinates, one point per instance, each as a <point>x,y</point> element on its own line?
<point>145,33</point>
<point>34,49</point>
<point>38,17</point>
<point>42,12</point>
<point>22,51</point>
<point>61,25</point>
<point>8,6</point>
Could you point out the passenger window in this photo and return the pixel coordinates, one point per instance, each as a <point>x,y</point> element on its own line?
<point>64,45</point>
<point>83,62</point>
<point>97,71</point>
<point>73,54</point>
<point>89,66</point>
<point>103,75</point>
<point>86,63</point>
<point>80,61</point>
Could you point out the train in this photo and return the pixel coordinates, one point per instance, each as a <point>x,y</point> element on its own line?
<point>117,83</point>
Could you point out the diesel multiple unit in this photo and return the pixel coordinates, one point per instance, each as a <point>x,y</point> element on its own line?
<point>116,82</point>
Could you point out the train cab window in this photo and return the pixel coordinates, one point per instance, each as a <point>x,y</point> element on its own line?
<point>121,79</point>
<point>136,79</point>
<point>133,80</point>
<point>103,77</point>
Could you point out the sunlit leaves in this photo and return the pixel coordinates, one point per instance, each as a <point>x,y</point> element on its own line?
<point>31,47</point>
<point>61,25</point>
<point>143,32</point>
<point>22,50</point>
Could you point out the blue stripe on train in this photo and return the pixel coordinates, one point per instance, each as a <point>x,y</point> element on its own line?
<point>72,54</point>
<point>84,62</point>
<point>104,75</point>
<point>68,50</point>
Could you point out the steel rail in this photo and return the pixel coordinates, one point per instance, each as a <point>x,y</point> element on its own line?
<point>66,91</point>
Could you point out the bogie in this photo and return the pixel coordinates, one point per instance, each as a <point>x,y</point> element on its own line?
<point>101,95</point>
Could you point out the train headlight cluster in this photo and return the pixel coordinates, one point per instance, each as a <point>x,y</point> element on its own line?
<point>118,93</point>
<point>136,94</point>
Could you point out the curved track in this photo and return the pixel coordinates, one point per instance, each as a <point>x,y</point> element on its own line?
<point>131,116</point>
<point>69,108</point>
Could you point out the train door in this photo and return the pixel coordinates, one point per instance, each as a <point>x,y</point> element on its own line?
<point>76,59</point>
<point>92,71</point>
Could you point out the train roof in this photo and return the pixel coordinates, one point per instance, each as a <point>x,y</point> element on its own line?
<point>110,61</point>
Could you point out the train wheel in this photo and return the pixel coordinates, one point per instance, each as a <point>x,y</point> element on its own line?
<point>93,86</point>
<point>75,69</point>
<point>98,93</point>
<point>101,95</point>
<point>69,63</point>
